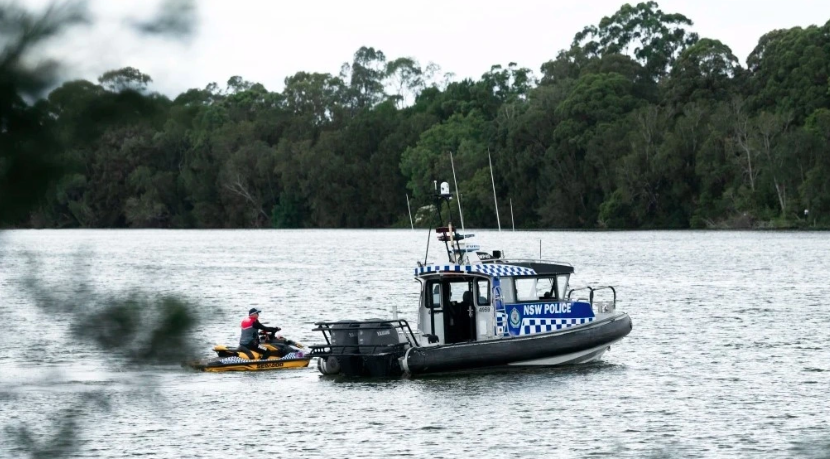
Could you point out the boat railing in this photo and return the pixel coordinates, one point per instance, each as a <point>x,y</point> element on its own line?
<point>400,326</point>
<point>598,306</point>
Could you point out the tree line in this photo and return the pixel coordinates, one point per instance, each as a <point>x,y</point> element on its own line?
<point>639,123</point>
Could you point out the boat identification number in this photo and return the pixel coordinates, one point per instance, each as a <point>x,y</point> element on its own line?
<point>270,365</point>
<point>549,308</point>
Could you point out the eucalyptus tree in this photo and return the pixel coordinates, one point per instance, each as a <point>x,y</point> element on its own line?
<point>706,72</point>
<point>789,71</point>
<point>127,78</point>
<point>365,78</point>
<point>406,79</point>
<point>657,37</point>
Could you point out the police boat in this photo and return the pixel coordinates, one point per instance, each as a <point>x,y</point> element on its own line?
<point>479,310</point>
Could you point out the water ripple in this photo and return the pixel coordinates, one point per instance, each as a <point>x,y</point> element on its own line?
<point>728,355</point>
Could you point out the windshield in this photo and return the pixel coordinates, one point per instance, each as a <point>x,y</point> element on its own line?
<point>536,288</point>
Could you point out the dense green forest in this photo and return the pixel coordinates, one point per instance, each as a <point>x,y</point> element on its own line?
<point>640,123</point>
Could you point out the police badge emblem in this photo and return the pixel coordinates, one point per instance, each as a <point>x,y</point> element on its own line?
<point>515,320</point>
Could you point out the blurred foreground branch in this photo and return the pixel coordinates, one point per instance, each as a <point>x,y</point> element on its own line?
<point>175,19</point>
<point>139,326</point>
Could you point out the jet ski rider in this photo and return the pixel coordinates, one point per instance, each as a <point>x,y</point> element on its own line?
<point>249,341</point>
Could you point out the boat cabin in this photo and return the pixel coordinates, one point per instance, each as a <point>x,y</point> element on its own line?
<point>495,299</point>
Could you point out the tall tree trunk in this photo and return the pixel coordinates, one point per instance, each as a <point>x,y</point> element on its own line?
<point>781,190</point>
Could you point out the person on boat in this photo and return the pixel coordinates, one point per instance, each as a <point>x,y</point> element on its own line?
<point>248,340</point>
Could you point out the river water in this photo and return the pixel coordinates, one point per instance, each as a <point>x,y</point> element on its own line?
<point>728,356</point>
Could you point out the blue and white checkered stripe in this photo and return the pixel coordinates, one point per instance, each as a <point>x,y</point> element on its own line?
<point>503,270</point>
<point>494,270</point>
<point>290,355</point>
<point>532,326</point>
<point>501,324</point>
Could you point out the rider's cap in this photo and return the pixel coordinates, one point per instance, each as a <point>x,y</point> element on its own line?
<point>254,311</point>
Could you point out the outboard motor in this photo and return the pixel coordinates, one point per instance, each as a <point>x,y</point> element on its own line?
<point>380,359</point>
<point>345,359</point>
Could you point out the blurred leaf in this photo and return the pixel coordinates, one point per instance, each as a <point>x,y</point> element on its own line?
<point>175,18</point>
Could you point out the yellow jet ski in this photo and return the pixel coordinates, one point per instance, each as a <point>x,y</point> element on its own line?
<point>284,354</point>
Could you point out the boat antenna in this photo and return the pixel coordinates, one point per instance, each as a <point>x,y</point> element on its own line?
<point>493,181</point>
<point>429,230</point>
<point>426,255</point>
<point>410,212</point>
<point>511,215</point>
<point>457,193</point>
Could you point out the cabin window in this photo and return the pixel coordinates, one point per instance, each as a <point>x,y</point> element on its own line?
<point>562,285</point>
<point>508,293</point>
<point>459,292</point>
<point>434,301</point>
<point>483,292</point>
<point>535,288</point>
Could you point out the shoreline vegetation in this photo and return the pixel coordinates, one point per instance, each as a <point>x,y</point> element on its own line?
<point>639,124</point>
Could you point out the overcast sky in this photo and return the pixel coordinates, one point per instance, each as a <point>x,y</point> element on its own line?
<point>266,40</point>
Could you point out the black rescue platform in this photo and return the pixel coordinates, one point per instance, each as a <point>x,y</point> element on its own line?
<point>370,348</point>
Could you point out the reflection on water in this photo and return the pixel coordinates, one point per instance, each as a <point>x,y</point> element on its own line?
<point>727,358</point>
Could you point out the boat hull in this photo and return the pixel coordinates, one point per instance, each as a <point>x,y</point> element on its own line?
<point>579,345</point>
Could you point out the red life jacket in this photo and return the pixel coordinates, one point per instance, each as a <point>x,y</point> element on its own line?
<point>248,331</point>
